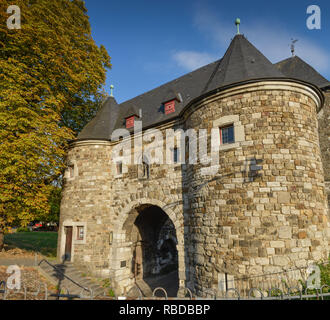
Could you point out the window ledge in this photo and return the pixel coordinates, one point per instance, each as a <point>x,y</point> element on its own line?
<point>229,146</point>
<point>83,241</point>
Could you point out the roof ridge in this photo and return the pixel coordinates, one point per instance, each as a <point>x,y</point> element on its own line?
<point>296,67</point>
<point>169,82</point>
<point>243,60</point>
<point>212,76</point>
<point>229,50</point>
<point>241,63</point>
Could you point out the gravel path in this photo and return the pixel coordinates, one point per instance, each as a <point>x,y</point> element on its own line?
<point>28,262</point>
<point>33,285</point>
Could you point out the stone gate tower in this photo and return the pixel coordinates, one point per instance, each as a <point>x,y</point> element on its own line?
<point>262,210</point>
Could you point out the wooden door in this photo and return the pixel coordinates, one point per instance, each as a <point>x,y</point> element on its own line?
<point>68,243</point>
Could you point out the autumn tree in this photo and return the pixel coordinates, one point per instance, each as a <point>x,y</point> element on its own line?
<point>51,79</point>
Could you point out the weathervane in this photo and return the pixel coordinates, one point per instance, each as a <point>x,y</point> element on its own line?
<point>238,22</point>
<point>292,46</point>
<point>111,90</point>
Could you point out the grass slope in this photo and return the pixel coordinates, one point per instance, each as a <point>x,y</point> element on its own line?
<point>43,242</point>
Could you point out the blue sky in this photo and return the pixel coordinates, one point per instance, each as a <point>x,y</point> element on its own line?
<point>153,42</point>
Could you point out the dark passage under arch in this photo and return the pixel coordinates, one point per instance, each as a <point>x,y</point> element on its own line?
<point>154,253</point>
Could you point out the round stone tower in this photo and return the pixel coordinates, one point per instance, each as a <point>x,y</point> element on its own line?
<point>262,212</point>
<point>265,210</point>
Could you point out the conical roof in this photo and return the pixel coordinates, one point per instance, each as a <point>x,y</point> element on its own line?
<point>241,62</point>
<point>297,68</point>
<point>102,125</point>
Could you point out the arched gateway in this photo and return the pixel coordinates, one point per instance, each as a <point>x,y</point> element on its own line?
<point>146,250</point>
<point>263,211</point>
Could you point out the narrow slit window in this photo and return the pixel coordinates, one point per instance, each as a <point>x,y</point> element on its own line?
<point>227,134</point>
<point>175,155</point>
<point>119,168</point>
<point>145,168</point>
<point>71,171</point>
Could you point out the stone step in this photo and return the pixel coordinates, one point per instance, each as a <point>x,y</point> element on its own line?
<point>78,282</point>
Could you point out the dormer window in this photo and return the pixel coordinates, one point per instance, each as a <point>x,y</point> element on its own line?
<point>131,115</point>
<point>169,107</point>
<point>130,122</point>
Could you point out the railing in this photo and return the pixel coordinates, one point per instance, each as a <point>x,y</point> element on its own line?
<point>234,290</point>
<point>273,294</point>
<point>63,274</point>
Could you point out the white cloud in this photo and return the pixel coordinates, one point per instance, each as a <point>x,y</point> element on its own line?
<point>314,55</point>
<point>274,43</point>
<point>191,60</point>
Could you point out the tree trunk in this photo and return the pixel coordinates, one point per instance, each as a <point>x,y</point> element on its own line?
<point>1,240</point>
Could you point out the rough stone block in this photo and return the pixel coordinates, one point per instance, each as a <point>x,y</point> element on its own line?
<point>283,197</point>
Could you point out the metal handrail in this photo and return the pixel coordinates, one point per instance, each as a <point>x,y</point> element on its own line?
<point>161,289</point>
<point>186,290</point>
<point>59,271</point>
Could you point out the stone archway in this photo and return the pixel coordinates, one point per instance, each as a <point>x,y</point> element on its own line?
<point>147,245</point>
<point>154,253</point>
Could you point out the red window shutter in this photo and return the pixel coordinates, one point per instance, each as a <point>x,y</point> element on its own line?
<point>130,122</point>
<point>169,107</point>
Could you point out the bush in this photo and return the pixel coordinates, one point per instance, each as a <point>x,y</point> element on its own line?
<point>22,229</point>
<point>325,274</point>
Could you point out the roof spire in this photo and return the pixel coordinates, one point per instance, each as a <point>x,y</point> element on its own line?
<point>238,22</point>
<point>292,46</point>
<point>111,90</point>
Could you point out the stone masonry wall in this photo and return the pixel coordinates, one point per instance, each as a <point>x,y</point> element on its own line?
<point>268,211</point>
<point>324,133</point>
<point>263,211</point>
<point>164,189</point>
<point>87,199</point>
<point>105,200</point>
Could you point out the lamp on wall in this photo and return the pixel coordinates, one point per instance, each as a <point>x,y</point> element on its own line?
<point>110,237</point>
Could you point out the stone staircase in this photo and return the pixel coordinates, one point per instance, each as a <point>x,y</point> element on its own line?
<point>70,279</point>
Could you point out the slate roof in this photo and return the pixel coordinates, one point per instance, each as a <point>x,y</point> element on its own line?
<point>101,126</point>
<point>297,68</point>
<point>242,62</point>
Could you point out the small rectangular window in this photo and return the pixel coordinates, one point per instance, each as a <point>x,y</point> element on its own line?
<point>169,107</point>
<point>227,134</point>
<point>175,155</point>
<point>71,171</point>
<point>119,167</point>
<point>80,233</point>
<point>130,122</point>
